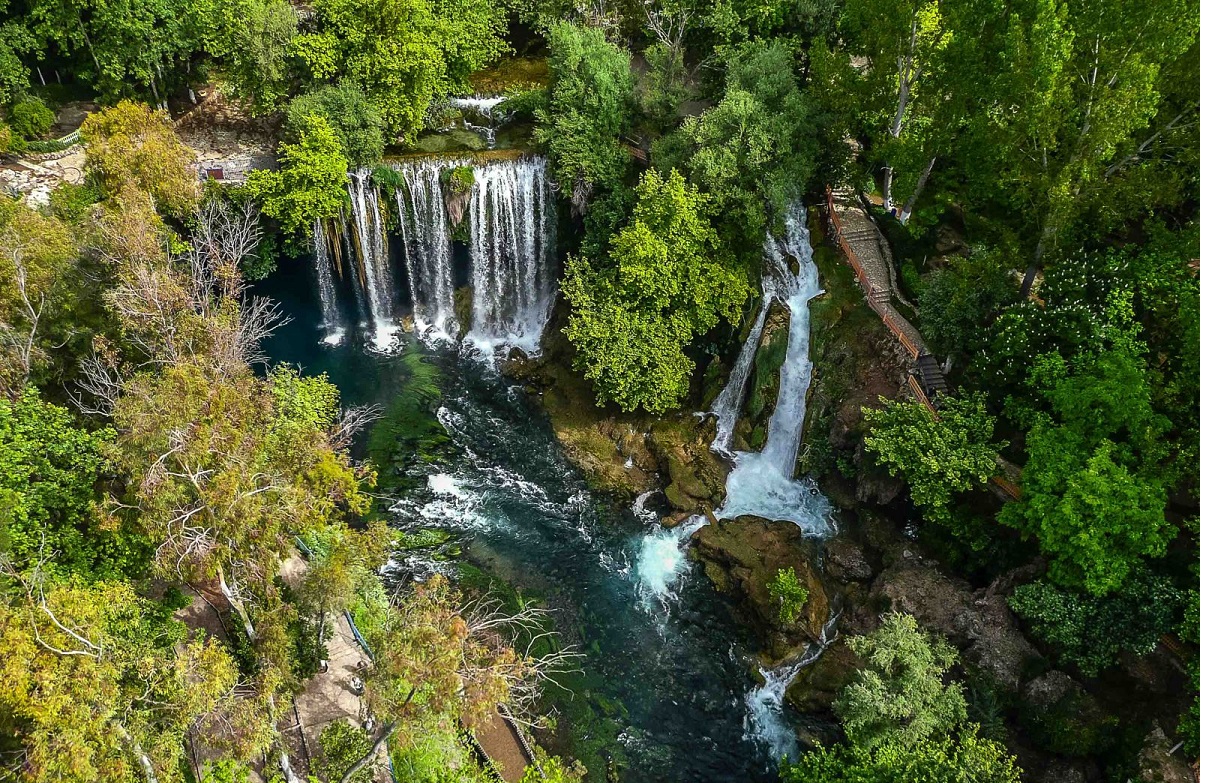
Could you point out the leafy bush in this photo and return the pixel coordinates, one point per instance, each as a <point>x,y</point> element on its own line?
<point>1090,632</point>
<point>788,594</point>
<point>355,119</point>
<point>30,118</point>
<point>457,180</point>
<point>523,104</point>
<point>343,745</point>
<point>938,457</point>
<point>70,202</point>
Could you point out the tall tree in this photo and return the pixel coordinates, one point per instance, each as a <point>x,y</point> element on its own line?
<point>665,281</point>
<point>588,110</point>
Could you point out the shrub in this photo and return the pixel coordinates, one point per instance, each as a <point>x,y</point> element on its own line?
<point>30,118</point>
<point>788,594</point>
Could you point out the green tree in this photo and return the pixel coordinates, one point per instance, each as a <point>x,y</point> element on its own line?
<point>97,684</point>
<point>967,759</point>
<point>789,595</point>
<point>899,699</point>
<point>665,281</point>
<point>311,183</point>
<point>938,455</point>
<point>350,114</point>
<point>1094,484</point>
<point>588,110</point>
<point>123,47</point>
<point>253,42</point>
<point>404,54</point>
<point>960,302</point>
<point>38,297</point>
<point>754,152</point>
<point>131,145</point>
<point>1090,632</point>
<point>50,476</point>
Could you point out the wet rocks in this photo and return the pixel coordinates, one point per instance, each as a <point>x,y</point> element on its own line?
<point>819,683</point>
<point>844,561</point>
<point>741,556</point>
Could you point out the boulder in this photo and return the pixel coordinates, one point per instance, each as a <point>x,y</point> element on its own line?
<point>817,685</point>
<point>1157,764</point>
<point>1062,717</point>
<point>844,561</point>
<point>741,556</point>
<point>696,477</point>
<point>979,623</point>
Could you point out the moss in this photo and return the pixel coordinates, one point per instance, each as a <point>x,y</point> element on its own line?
<point>511,74</point>
<point>457,180</point>
<point>463,301</point>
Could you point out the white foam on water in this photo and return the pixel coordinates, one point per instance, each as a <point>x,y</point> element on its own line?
<point>444,484</point>
<point>662,559</point>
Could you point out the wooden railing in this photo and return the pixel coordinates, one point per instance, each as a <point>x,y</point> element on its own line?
<point>1005,489</point>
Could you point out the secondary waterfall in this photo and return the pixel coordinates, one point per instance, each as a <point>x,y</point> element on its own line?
<point>329,306</point>
<point>762,483</point>
<point>427,249</point>
<point>729,403</point>
<point>765,721</point>
<point>511,254</point>
<point>511,229</point>
<point>373,254</point>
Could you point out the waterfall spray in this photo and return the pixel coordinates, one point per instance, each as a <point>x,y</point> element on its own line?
<point>333,331</point>
<point>372,253</point>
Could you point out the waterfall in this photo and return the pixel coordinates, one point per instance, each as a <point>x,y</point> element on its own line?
<point>329,307</point>
<point>729,403</point>
<point>373,253</point>
<point>511,254</point>
<point>512,266</point>
<point>765,721</point>
<point>762,484</point>
<point>427,248</point>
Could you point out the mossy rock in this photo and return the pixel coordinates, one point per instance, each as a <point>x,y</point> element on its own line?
<point>746,553</point>
<point>463,309</point>
<point>817,686</point>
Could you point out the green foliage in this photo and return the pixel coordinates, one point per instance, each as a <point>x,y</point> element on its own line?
<point>70,203</point>
<point>404,54</point>
<point>30,118</point>
<point>664,86</point>
<point>131,145</point>
<point>50,472</point>
<point>666,280</point>
<point>788,594</point>
<point>588,111</point>
<point>343,745</point>
<point>1189,722</point>
<point>458,180</point>
<point>754,152</point>
<point>253,40</point>
<point>346,109</point>
<point>553,769</point>
<point>1093,486</point>
<point>938,457</point>
<point>1090,632</point>
<point>226,771</point>
<point>899,699</point>
<point>89,673</point>
<point>967,759</point>
<point>523,105</point>
<point>959,303</point>
<point>311,183</point>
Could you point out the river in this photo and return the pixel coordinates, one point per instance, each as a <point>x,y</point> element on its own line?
<point>667,672</point>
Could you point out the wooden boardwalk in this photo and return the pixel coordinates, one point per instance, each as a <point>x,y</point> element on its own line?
<point>870,258</point>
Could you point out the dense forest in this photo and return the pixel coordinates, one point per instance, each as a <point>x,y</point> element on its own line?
<point>947,488</point>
